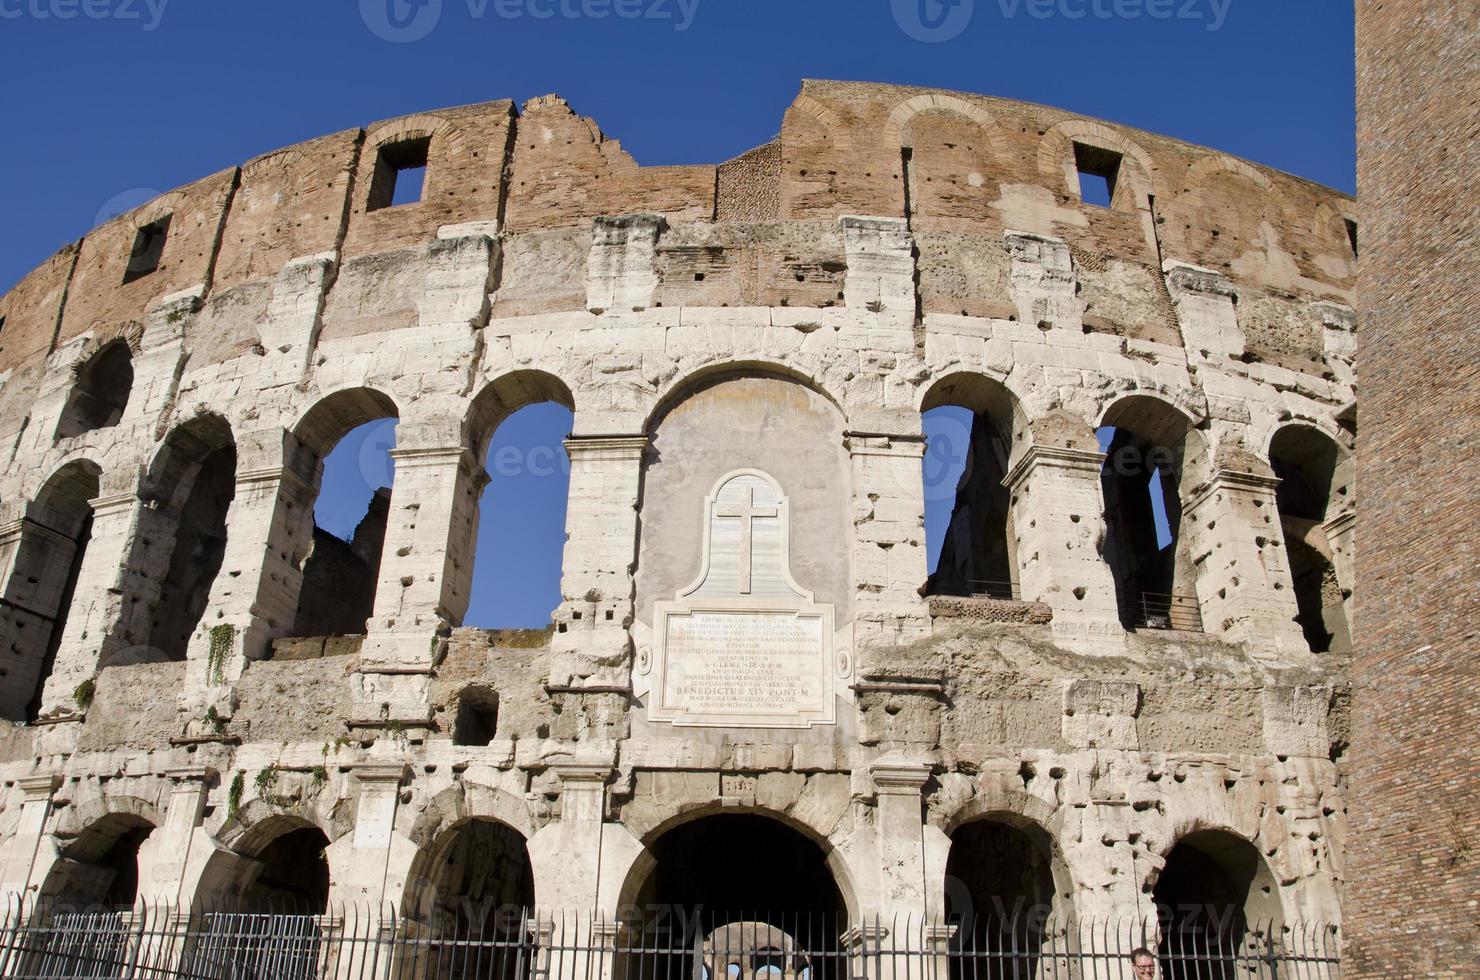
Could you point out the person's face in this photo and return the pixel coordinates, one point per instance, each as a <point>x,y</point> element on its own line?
<point>1145,968</point>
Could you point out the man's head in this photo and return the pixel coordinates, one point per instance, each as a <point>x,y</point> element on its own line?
<point>1143,962</point>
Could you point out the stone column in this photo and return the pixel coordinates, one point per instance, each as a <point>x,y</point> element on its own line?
<point>99,621</point>
<point>1059,525</point>
<point>888,538</point>
<point>369,867</point>
<point>19,851</point>
<point>566,854</point>
<point>254,598</point>
<point>35,562</point>
<point>1244,587</point>
<point>426,572</point>
<point>900,834</point>
<point>591,640</point>
<point>1341,533</point>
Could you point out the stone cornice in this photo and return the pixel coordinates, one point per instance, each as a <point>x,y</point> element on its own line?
<point>607,447</point>
<point>1058,457</point>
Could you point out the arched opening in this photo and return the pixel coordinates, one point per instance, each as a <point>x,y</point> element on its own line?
<point>969,423</point>
<point>1213,892</point>
<point>1315,478</point>
<point>347,439</point>
<point>191,485</point>
<point>522,512</point>
<point>750,891</point>
<point>43,579</point>
<point>1003,894</point>
<point>469,899</point>
<point>1150,449</point>
<point>101,392</point>
<point>259,908</point>
<point>716,424</point>
<point>99,871</point>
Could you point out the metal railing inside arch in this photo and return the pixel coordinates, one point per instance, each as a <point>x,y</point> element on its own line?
<point>462,941</point>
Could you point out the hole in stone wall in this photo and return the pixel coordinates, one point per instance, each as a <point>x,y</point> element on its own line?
<point>476,721</point>
<point>400,174</point>
<point>1351,235</point>
<point>148,249</point>
<point>1099,171</point>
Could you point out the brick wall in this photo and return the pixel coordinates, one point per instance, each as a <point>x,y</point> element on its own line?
<point>1414,866</point>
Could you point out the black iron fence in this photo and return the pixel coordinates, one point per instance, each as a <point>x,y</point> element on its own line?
<point>164,943</point>
<point>1160,611</point>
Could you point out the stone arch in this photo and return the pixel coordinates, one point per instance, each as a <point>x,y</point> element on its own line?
<point>54,533</point>
<point>897,129</point>
<point>334,414</point>
<point>270,859</point>
<point>1206,167</point>
<point>689,812</point>
<point>681,385</point>
<point>1154,455</point>
<point>1316,472</point>
<point>102,383</point>
<point>464,801</point>
<point>97,866</point>
<point>503,396</point>
<point>180,542</point>
<point>1056,156</point>
<point>473,877</point>
<point>977,553</point>
<point>331,588</point>
<point>1212,888</point>
<point>819,111</point>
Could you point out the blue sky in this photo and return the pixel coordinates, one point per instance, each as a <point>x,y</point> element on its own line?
<point>125,97</point>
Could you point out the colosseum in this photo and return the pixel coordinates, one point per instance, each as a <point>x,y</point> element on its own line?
<point>1120,697</point>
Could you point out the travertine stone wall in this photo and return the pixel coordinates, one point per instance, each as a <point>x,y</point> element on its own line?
<point>793,310</point>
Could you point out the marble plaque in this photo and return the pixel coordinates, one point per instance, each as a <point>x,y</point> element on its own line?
<point>744,646</point>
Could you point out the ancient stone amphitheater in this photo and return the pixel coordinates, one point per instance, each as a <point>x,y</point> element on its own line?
<point>753,695</point>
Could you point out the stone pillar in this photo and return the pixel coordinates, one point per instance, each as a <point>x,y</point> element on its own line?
<point>426,572</point>
<point>35,562</point>
<point>1045,288</point>
<point>1059,528</point>
<point>881,265</point>
<point>1341,533</point>
<point>254,598</point>
<point>1244,587</point>
<point>290,331</point>
<point>900,837</point>
<point>566,854</point>
<point>369,867</point>
<point>1205,304</point>
<point>19,851</point>
<point>888,538</point>
<point>591,642</point>
<point>102,605</point>
<point>620,273</point>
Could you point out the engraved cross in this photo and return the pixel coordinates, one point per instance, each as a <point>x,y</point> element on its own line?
<point>747,513</point>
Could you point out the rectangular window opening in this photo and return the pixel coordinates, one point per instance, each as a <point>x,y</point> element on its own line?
<point>1351,235</point>
<point>400,174</point>
<point>148,249</point>
<point>1099,170</point>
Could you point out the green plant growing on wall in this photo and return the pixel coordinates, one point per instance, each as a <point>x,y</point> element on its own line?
<point>396,732</point>
<point>82,694</point>
<point>221,639</point>
<point>234,794</point>
<point>266,780</point>
<point>214,721</point>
